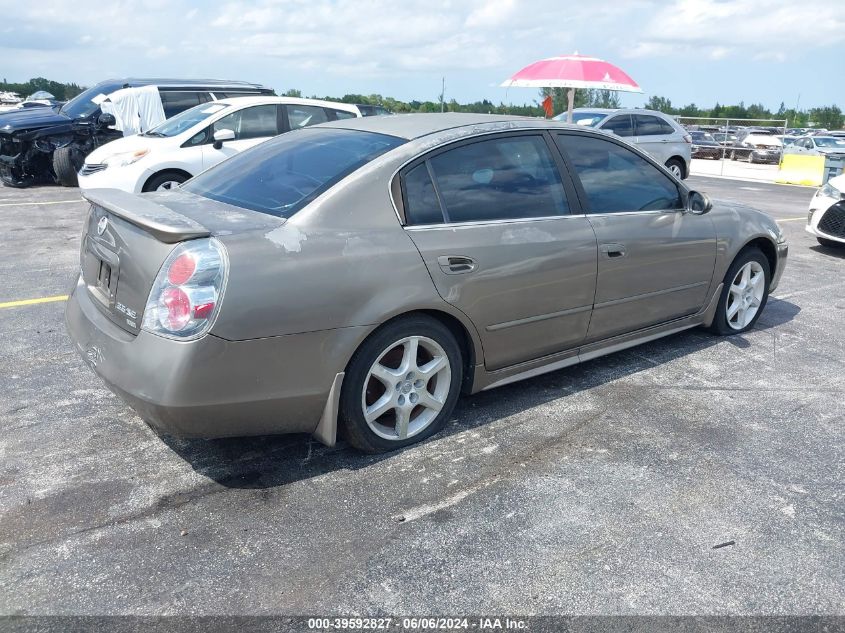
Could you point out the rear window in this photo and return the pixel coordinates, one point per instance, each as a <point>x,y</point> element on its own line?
<point>282,175</point>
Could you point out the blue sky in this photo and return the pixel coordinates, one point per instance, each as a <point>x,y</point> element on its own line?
<point>699,51</point>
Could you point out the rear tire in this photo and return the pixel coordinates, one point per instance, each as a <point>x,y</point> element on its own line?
<point>743,299</point>
<point>66,164</point>
<point>677,168</point>
<point>403,380</point>
<point>165,180</point>
<point>829,243</point>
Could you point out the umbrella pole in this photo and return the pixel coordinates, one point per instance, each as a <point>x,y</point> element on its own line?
<point>571,97</point>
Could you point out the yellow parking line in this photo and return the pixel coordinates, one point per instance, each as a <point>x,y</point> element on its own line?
<point>802,218</point>
<point>28,204</point>
<point>29,302</point>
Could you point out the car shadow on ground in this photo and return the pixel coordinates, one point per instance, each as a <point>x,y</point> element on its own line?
<point>272,461</point>
<point>833,251</point>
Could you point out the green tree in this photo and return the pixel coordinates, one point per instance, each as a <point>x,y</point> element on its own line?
<point>829,117</point>
<point>661,104</point>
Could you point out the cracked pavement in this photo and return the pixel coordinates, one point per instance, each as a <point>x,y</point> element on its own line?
<point>598,489</point>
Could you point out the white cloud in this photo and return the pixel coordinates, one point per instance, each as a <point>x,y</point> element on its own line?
<point>764,29</point>
<point>403,48</point>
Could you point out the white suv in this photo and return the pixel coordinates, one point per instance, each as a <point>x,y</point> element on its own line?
<point>652,131</point>
<point>196,139</point>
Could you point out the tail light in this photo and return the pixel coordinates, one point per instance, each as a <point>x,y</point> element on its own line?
<point>687,138</point>
<point>187,292</point>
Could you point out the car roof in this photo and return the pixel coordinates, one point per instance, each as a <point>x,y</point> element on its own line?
<point>413,126</point>
<point>134,82</point>
<point>259,99</point>
<point>623,111</point>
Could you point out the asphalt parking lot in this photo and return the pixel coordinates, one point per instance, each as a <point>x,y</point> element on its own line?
<point>599,489</point>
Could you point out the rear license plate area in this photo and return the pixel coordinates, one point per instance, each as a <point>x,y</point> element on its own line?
<point>100,271</point>
<point>104,277</point>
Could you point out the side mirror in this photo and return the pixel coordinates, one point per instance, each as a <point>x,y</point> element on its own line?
<point>106,120</point>
<point>222,135</point>
<point>698,203</point>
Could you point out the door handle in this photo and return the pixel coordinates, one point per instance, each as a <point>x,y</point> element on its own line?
<point>613,250</point>
<point>456,264</point>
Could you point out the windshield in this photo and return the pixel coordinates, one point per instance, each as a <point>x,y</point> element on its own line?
<point>186,120</point>
<point>829,141</point>
<point>86,103</point>
<point>702,136</point>
<point>590,119</point>
<point>282,175</point>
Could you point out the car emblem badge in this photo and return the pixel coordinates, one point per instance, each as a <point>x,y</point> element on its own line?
<point>102,225</point>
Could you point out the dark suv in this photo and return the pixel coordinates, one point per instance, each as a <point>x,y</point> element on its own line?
<point>50,144</point>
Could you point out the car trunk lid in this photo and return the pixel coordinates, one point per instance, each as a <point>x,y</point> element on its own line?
<point>127,238</point>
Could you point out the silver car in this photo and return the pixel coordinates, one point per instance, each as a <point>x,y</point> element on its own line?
<point>652,131</point>
<point>358,276</point>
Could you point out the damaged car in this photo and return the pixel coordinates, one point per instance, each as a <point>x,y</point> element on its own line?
<point>46,145</point>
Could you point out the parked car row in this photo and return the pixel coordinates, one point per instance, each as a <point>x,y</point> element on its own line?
<point>47,144</point>
<point>704,145</point>
<point>50,144</point>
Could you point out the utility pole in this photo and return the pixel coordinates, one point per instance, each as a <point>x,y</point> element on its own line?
<point>443,95</point>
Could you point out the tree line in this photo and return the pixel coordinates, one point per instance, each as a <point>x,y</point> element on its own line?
<point>829,117</point>
<point>61,91</point>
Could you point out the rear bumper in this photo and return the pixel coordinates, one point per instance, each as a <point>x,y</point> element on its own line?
<point>212,387</point>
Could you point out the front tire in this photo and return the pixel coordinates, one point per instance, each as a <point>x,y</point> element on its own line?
<point>401,385</point>
<point>744,294</point>
<point>164,181</point>
<point>66,164</point>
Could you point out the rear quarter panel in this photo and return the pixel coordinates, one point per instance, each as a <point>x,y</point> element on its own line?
<point>343,261</point>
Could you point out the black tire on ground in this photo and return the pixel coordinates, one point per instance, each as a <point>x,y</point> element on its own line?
<point>352,424</point>
<point>830,243</point>
<point>679,164</point>
<point>66,163</point>
<point>720,320</point>
<point>163,177</point>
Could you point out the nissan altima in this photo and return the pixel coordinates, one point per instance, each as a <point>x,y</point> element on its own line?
<point>356,277</point>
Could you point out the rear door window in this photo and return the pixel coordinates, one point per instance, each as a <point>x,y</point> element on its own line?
<point>176,101</point>
<point>304,115</point>
<point>616,179</point>
<point>342,114</point>
<point>421,203</point>
<point>649,125</point>
<point>499,179</point>
<point>620,125</point>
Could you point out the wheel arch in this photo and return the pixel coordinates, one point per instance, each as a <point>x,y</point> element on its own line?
<point>166,170</point>
<point>766,246</point>
<point>463,332</point>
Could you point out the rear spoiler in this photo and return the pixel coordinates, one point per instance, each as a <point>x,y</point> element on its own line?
<point>162,223</point>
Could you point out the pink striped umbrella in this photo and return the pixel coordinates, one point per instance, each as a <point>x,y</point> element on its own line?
<point>573,71</point>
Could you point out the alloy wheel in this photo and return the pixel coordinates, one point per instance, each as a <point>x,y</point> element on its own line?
<point>406,388</point>
<point>167,185</point>
<point>745,295</point>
